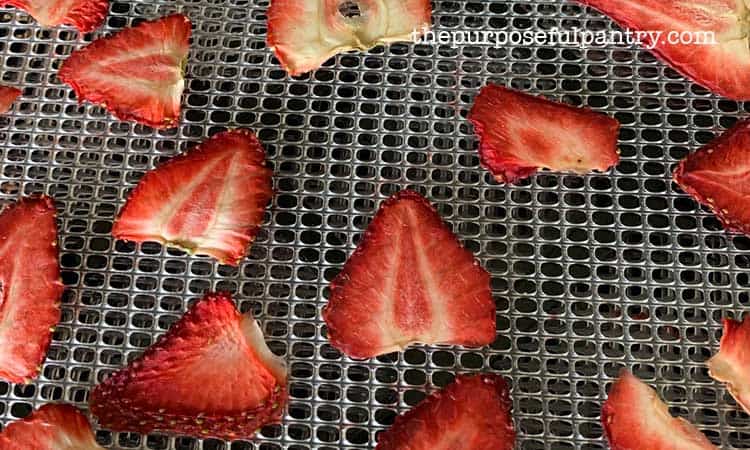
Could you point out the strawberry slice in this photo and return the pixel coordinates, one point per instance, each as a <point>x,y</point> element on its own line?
<point>634,417</point>
<point>137,74</point>
<point>472,413</point>
<point>717,176</point>
<point>306,33</point>
<point>409,281</point>
<point>731,365</point>
<point>51,427</point>
<point>722,66</point>
<point>211,374</point>
<point>30,286</point>
<point>521,133</point>
<point>86,15</point>
<point>8,96</point>
<point>209,200</point>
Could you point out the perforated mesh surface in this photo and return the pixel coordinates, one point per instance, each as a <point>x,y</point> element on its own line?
<point>590,274</point>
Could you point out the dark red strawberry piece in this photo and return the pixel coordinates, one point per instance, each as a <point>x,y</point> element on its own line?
<point>306,33</point>
<point>8,96</point>
<point>472,413</point>
<point>409,281</point>
<point>520,134</point>
<point>51,427</point>
<point>717,176</point>
<point>137,74</point>
<point>211,374</point>
<point>635,418</point>
<point>209,200</point>
<point>721,65</point>
<point>731,365</point>
<point>86,15</point>
<point>30,286</point>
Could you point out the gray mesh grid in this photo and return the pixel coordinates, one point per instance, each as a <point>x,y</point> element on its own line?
<point>590,273</point>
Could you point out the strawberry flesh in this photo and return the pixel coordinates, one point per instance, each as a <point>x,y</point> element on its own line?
<point>86,15</point>
<point>306,33</point>
<point>30,286</point>
<point>731,365</point>
<point>209,200</point>
<point>137,74</point>
<point>8,96</point>
<point>472,413</point>
<point>51,427</point>
<point>409,281</point>
<point>520,133</point>
<point>211,375</point>
<point>718,176</point>
<point>722,66</point>
<point>635,418</point>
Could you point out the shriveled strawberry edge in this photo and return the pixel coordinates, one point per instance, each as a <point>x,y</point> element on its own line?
<point>85,17</point>
<point>8,96</point>
<point>730,342</point>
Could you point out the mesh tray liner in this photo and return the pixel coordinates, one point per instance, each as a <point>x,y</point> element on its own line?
<point>590,273</point>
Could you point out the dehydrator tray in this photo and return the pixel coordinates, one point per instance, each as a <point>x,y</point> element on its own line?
<point>590,273</point>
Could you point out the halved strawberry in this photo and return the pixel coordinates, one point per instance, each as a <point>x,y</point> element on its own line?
<point>30,286</point>
<point>520,134</point>
<point>472,413</point>
<point>409,281</point>
<point>137,74</point>
<point>51,427</point>
<point>306,33</point>
<point>209,200</point>
<point>718,176</point>
<point>634,417</point>
<point>8,96</point>
<point>722,66</point>
<point>86,15</point>
<point>211,374</point>
<point>732,364</point>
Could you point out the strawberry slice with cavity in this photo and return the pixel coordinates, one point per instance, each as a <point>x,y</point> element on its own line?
<point>8,96</point>
<point>86,15</point>
<point>51,427</point>
<point>211,374</point>
<point>721,65</point>
<point>137,74</point>
<point>409,281</point>
<point>472,413</point>
<point>634,417</point>
<point>731,365</point>
<point>718,176</point>
<point>520,134</point>
<point>209,200</point>
<point>30,286</point>
<point>306,33</point>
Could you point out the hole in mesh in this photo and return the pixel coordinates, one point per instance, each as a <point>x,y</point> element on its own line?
<point>350,9</point>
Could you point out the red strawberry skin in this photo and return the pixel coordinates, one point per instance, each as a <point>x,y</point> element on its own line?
<point>723,67</point>
<point>30,286</point>
<point>8,96</point>
<point>635,418</point>
<point>718,176</point>
<point>732,364</point>
<point>210,200</point>
<point>137,74</point>
<point>472,413</point>
<point>51,427</point>
<point>521,133</point>
<point>409,281</point>
<point>211,375</point>
<point>86,15</point>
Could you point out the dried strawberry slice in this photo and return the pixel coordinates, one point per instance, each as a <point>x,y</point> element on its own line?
<point>732,364</point>
<point>8,96</point>
<point>51,427</point>
<point>86,15</point>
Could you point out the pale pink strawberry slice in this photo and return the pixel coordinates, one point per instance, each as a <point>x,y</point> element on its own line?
<point>472,413</point>
<point>51,427</point>
<point>210,375</point>
<point>520,134</point>
<point>30,286</point>
<point>722,66</point>
<point>306,33</point>
<point>209,200</point>
<point>137,74</point>
<point>86,15</point>
<point>635,418</point>
<point>731,365</point>
<point>409,281</point>
<point>8,96</point>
